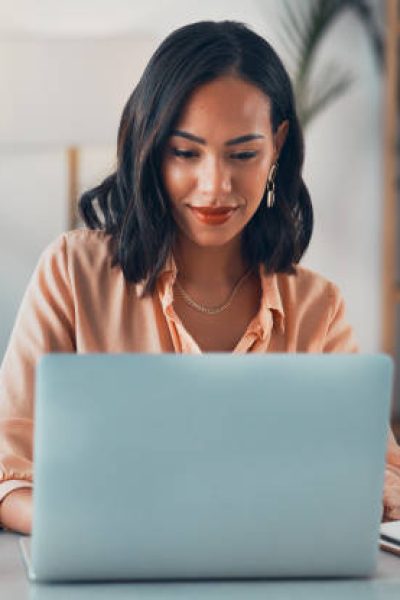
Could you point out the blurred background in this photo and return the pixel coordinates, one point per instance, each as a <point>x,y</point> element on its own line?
<point>68,66</point>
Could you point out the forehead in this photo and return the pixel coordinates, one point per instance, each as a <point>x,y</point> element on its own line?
<point>226,103</point>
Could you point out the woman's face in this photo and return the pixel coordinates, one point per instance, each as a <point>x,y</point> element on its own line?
<point>218,158</point>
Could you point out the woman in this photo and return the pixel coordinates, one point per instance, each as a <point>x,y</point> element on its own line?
<point>192,244</point>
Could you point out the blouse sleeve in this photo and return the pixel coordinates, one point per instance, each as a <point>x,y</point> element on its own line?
<point>340,335</point>
<point>340,338</point>
<point>44,323</point>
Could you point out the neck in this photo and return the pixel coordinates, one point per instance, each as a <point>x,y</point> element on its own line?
<point>209,267</point>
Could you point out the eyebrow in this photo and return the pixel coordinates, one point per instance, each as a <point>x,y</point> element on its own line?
<point>238,140</point>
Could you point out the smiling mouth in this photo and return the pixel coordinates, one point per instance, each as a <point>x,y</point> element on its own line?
<point>209,210</point>
<point>213,216</point>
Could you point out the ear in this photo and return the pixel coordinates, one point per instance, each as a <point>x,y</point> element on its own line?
<point>280,137</point>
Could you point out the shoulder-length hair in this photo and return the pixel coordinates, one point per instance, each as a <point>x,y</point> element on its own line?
<point>132,204</point>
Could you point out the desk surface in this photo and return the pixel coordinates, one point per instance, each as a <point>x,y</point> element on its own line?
<point>14,585</point>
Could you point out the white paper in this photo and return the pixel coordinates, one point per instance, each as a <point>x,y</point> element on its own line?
<point>392,529</point>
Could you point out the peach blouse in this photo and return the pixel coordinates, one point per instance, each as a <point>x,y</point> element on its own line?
<point>77,302</point>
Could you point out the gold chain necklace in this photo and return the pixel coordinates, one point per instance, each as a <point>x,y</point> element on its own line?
<point>211,310</point>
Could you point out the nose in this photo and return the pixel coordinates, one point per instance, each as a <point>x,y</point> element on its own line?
<point>214,179</point>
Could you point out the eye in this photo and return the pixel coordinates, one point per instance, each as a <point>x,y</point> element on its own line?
<point>183,153</point>
<point>244,155</point>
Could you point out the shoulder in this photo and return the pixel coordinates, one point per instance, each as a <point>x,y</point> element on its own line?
<point>83,248</point>
<point>87,242</point>
<point>308,284</point>
<point>314,313</point>
<point>81,257</point>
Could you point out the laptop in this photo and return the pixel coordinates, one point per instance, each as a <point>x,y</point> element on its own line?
<point>167,466</point>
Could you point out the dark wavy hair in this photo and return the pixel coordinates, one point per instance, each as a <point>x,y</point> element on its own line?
<point>132,204</point>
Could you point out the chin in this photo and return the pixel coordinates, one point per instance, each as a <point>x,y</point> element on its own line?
<point>211,236</point>
<point>211,239</point>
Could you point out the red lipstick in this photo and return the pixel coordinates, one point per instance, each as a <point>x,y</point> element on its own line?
<point>213,216</point>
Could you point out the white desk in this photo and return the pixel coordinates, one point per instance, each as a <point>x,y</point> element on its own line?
<point>15,586</point>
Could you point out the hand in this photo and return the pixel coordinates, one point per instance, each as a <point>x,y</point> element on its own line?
<point>16,510</point>
<point>391,496</point>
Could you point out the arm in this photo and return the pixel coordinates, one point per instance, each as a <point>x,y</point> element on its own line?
<point>340,338</point>
<point>45,323</point>
<point>391,494</point>
<point>16,510</point>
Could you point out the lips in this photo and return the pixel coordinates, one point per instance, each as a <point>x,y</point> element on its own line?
<point>213,215</point>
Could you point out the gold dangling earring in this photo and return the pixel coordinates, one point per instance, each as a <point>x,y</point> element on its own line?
<point>271,185</point>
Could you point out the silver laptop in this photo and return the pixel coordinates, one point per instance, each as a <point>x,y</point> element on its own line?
<point>208,466</point>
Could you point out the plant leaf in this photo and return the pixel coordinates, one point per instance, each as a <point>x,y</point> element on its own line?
<point>303,29</point>
<point>332,89</point>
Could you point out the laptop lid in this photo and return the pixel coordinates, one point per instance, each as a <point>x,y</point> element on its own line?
<point>202,466</point>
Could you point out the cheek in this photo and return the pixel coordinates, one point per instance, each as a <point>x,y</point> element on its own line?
<point>251,183</point>
<point>248,182</point>
<point>177,181</point>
